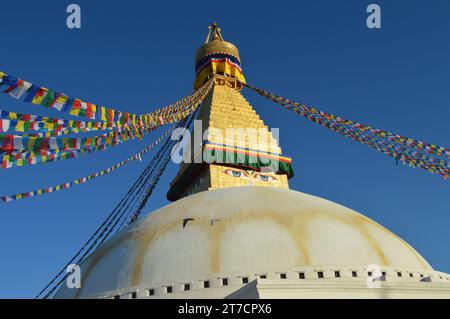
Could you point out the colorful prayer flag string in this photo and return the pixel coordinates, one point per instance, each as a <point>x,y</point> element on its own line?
<point>35,94</point>
<point>33,123</point>
<point>20,150</point>
<point>59,187</point>
<point>413,152</point>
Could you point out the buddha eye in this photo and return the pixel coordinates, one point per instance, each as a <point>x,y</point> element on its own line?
<point>265,178</point>
<point>234,173</point>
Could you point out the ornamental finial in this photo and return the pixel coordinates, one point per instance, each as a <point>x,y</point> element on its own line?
<point>214,33</point>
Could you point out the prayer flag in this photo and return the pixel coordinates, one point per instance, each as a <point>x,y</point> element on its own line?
<point>59,102</point>
<point>20,90</point>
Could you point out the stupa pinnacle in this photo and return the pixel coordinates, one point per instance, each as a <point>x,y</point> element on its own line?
<point>238,148</point>
<point>217,56</point>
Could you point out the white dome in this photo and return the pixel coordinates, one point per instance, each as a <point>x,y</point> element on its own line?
<point>239,231</point>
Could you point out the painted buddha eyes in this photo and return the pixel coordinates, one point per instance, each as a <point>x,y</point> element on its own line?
<point>234,173</point>
<point>240,174</point>
<point>265,178</point>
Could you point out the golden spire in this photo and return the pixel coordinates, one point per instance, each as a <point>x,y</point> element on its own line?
<point>238,149</point>
<point>217,56</point>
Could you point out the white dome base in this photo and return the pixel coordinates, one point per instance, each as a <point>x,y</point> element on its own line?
<point>227,238</point>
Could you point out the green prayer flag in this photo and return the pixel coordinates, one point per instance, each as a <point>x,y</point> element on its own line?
<point>49,98</point>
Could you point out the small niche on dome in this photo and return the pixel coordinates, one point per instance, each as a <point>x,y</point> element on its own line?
<point>320,274</point>
<point>301,275</point>
<point>283,276</point>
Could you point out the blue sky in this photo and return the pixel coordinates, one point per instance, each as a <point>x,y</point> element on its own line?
<point>138,55</point>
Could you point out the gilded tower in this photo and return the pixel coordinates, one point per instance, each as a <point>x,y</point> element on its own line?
<point>237,148</point>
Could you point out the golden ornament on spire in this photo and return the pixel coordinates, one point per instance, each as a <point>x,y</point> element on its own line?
<point>215,30</point>
<point>217,56</point>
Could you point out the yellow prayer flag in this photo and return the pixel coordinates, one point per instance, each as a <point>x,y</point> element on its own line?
<point>40,96</point>
<point>75,111</point>
<point>12,115</point>
<point>103,113</point>
<point>62,99</point>
<point>20,127</point>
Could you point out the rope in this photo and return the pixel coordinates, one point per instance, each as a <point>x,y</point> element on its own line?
<point>118,206</point>
<point>148,185</point>
<point>99,233</point>
<point>163,166</point>
<point>105,229</point>
<point>141,190</point>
